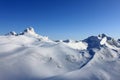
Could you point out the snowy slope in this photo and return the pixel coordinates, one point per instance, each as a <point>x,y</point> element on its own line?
<point>29,56</point>
<point>74,44</point>
<point>105,64</point>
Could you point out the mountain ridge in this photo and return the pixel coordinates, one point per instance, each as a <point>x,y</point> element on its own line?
<point>28,55</point>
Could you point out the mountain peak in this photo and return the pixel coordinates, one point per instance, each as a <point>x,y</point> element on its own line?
<point>101,36</point>
<point>12,33</point>
<point>29,30</point>
<point>93,42</point>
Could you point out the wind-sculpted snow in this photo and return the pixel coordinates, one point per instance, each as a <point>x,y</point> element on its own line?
<point>29,56</point>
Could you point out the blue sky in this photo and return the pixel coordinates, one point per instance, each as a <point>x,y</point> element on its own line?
<point>61,19</point>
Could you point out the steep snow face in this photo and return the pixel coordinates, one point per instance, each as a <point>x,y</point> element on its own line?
<point>103,41</point>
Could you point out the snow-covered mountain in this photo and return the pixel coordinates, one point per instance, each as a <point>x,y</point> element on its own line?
<point>30,56</point>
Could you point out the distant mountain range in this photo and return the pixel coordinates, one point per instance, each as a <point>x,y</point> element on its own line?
<point>30,56</point>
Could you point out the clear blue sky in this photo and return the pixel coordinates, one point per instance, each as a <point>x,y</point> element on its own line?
<point>61,19</point>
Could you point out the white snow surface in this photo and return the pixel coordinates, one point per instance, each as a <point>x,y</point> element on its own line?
<point>103,41</point>
<point>27,57</point>
<point>34,57</point>
<point>76,45</point>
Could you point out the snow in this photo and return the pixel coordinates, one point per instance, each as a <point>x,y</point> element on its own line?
<point>103,66</point>
<point>103,41</point>
<point>77,45</point>
<point>30,56</point>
